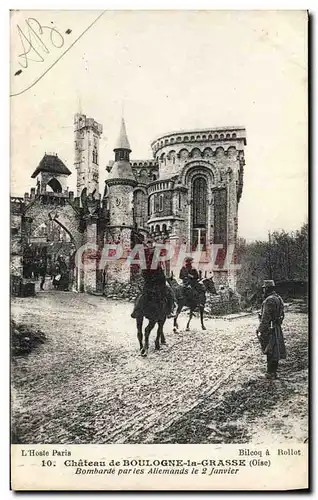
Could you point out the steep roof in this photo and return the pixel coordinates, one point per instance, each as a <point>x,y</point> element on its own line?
<point>121,170</point>
<point>122,141</point>
<point>51,164</point>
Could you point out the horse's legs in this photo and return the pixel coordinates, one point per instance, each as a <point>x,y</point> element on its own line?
<point>190,318</point>
<point>148,329</point>
<point>201,317</point>
<point>160,335</point>
<point>139,322</point>
<point>175,319</point>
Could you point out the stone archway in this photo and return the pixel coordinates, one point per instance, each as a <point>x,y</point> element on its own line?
<point>55,185</point>
<point>51,232</point>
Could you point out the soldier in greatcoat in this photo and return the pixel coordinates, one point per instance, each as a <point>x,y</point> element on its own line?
<point>269,331</point>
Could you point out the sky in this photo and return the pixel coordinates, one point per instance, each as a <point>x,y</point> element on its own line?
<point>165,71</point>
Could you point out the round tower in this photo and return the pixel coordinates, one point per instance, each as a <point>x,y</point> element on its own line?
<point>120,186</point>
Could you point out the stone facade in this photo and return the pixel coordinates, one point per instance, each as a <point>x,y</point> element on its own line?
<point>87,134</point>
<point>188,194</point>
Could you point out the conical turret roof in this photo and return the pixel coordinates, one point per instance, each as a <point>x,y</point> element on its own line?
<point>121,170</point>
<point>122,141</point>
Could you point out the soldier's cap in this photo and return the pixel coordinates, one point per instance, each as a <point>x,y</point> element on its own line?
<point>268,283</point>
<point>188,259</point>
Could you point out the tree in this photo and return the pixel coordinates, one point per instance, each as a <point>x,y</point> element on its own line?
<point>283,257</point>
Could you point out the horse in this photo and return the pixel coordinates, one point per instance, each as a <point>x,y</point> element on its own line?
<point>193,299</point>
<point>152,304</point>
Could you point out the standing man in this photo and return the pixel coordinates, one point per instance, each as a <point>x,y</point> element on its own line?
<point>269,331</point>
<point>42,271</point>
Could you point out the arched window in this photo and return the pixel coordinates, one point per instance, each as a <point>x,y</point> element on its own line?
<point>199,213</point>
<point>199,196</point>
<point>161,203</point>
<point>152,205</point>
<point>138,203</point>
<point>55,185</point>
<point>184,154</point>
<point>143,175</point>
<point>163,158</point>
<point>220,216</point>
<point>95,156</point>
<point>196,153</point>
<point>155,197</point>
<point>172,156</point>
<point>207,153</point>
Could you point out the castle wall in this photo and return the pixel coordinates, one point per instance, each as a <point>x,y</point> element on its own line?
<point>16,251</point>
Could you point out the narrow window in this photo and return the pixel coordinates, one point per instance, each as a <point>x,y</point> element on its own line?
<point>161,203</point>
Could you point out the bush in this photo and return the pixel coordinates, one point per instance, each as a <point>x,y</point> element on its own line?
<point>217,305</point>
<point>123,291</point>
<point>24,338</point>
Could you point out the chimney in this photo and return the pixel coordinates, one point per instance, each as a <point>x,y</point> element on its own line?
<point>32,193</point>
<point>26,197</point>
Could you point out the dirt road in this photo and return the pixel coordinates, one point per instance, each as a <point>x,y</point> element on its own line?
<point>88,383</point>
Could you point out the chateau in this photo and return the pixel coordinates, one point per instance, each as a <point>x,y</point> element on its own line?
<point>188,193</point>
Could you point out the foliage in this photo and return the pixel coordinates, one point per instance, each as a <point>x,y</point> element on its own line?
<point>283,257</point>
<point>24,338</point>
<point>124,291</point>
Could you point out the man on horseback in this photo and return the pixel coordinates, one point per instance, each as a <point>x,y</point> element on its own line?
<point>154,288</point>
<point>190,278</point>
<point>155,302</point>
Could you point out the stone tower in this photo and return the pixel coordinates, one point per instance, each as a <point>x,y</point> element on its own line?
<point>119,187</point>
<point>87,134</point>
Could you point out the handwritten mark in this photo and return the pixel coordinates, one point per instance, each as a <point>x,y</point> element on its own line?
<point>39,41</point>
<point>34,44</point>
<point>68,32</point>
<point>18,72</point>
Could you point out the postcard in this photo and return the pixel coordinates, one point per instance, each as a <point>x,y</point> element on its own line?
<point>159,250</point>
